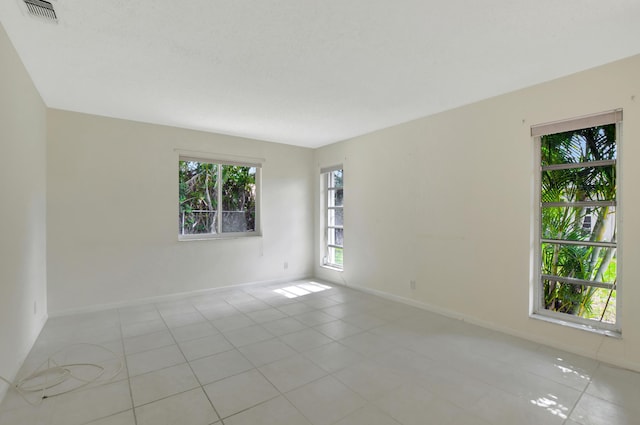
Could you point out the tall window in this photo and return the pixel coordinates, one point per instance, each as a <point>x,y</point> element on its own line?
<point>334,216</point>
<point>578,229</point>
<point>217,199</point>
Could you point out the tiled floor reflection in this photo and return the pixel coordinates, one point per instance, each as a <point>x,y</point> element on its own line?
<point>309,353</point>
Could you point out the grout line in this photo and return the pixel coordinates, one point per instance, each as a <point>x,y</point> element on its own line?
<point>124,360</point>
<point>189,363</point>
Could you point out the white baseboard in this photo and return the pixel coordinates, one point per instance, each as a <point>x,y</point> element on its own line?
<point>596,355</point>
<point>170,297</point>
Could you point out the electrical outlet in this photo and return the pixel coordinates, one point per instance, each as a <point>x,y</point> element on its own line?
<point>286,265</point>
<point>412,284</point>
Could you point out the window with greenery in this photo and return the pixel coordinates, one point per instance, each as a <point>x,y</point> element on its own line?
<point>333,217</point>
<point>217,199</point>
<point>577,225</point>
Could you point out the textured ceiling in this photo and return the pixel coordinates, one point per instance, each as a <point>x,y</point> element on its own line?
<point>306,72</point>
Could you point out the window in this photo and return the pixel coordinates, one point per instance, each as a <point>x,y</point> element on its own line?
<point>217,199</point>
<point>577,222</point>
<point>333,184</point>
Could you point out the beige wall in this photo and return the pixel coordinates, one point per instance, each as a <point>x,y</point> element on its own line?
<point>113,208</point>
<point>23,292</point>
<point>463,182</point>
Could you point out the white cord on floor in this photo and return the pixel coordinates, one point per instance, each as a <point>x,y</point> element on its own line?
<point>55,374</point>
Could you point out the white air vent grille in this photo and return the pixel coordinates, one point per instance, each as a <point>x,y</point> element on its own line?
<point>41,8</point>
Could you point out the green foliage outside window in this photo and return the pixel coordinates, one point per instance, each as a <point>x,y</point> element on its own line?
<point>579,186</point>
<point>216,198</point>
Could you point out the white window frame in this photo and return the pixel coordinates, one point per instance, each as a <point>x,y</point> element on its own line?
<point>222,160</point>
<point>327,189</point>
<point>538,311</point>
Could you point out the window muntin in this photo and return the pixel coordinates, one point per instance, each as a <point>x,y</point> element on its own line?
<point>577,269</point>
<point>217,199</point>
<point>334,218</point>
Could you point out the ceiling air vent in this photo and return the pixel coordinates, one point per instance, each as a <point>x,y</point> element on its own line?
<point>41,8</point>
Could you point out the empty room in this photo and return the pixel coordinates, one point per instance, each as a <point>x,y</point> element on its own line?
<point>319,213</point>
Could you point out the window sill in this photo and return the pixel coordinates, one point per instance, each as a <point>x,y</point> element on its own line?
<point>223,236</point>
<point>330,267</point>
<point>579,326</point>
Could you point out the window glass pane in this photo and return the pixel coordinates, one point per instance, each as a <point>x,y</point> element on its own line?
<point>336,217</point>
<point>335,236</point>
<point>595,265</point>
<point>335,256</point>
<point>595,224</point>
<point>198,197</point>
<point>589,144</point>
<point>335,197</point>
<point>588,302</point>
<point>590,263</point>
<point>335,178</point>
<point>579,184</point>
<point>238,199</point>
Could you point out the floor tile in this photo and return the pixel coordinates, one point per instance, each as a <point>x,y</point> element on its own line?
<point>292,372</point>
<point>266,315</point>
<point>247,335</point>
<point>218,311</point>
<point>333,356</point>
<point>162,383</point>
<point>147,342</point>
<point>305,339</point>
<point>325,401</point>
<point>369,380</point>
<point>219,366</point>
<point>616,385</point>
<point>151,360</point>
<point>29,415</point>
<point>594,411</point>
<point>193,331</point>
<point>189,408</point>
<point>367,343</point>
<point>344,357</point>
<point>368,415</point>
<point>183,319</point>
<point>499,407</point>
<point>412,405</point>
<point>123,418</point>
<point>338,329</point>
<point>250,306</point>
<point>295,308</point>
<point>273,412</point>
<point>284,326</point>
<point>231,323</point>
<point>236,393</point>
<point>203,347</point>
<point>364,321</point>
<point>78,408</point>
<point>314,318</point>
<point>264,352</point>
<point>141,328</point>
<point>321,302</point>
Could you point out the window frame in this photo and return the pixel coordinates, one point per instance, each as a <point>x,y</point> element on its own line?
<point>325,175</point>
<point>538,310</point>
<point>220,162</point>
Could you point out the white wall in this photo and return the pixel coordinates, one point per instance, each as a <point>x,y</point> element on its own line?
<point>463,184</point>
<point>113,206</point>
<point>22,212</point>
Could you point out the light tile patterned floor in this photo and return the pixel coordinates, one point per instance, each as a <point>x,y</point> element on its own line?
<point>332,356</point>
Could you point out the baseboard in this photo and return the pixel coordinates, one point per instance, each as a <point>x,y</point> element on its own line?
<point>596,355</point>
<point>170,297</point>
